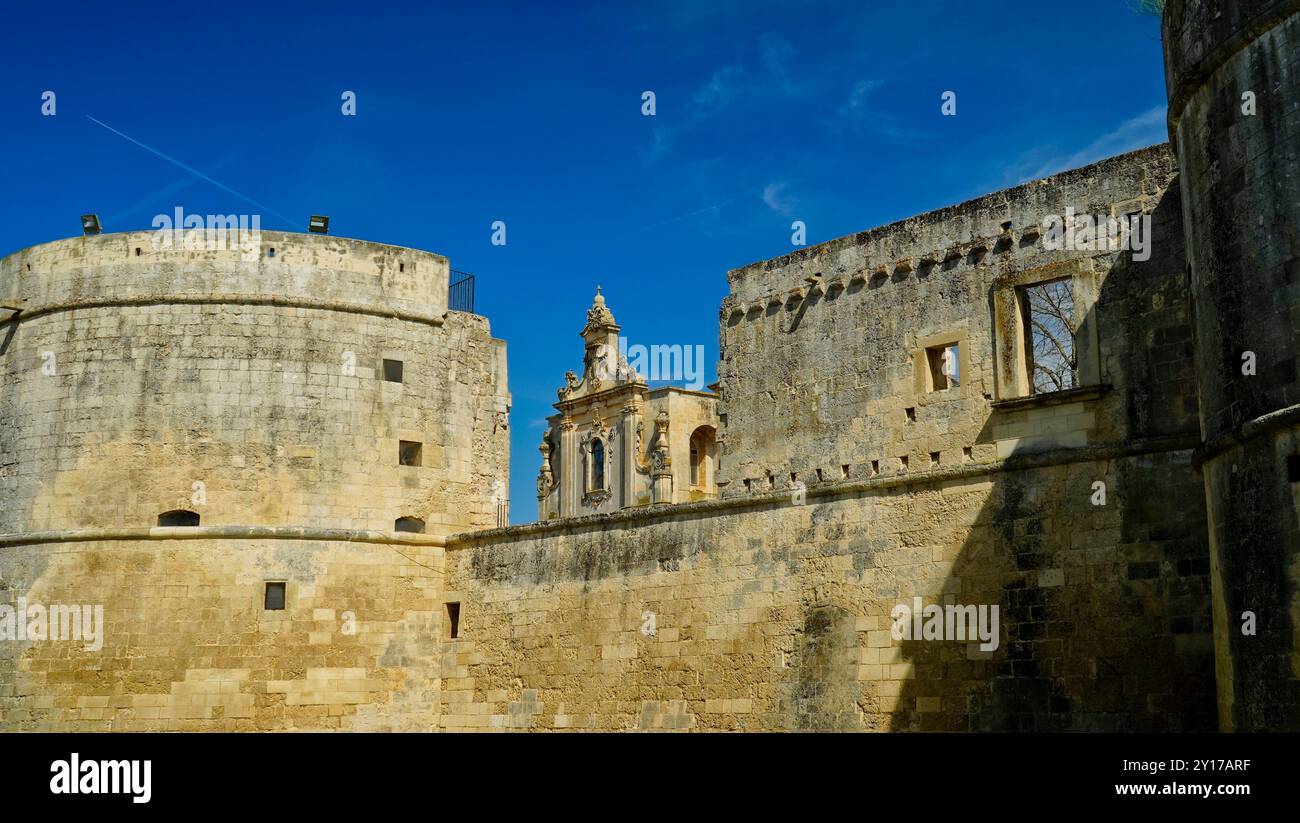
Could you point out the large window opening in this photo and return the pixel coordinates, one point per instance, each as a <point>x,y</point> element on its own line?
<point>702,449</point>
<point>1051,328</point>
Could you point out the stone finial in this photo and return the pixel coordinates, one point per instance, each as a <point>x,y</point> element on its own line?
<point>598,316</point>
<point>545,476</point>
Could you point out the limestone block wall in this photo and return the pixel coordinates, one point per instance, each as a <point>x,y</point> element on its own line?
<point>188,646</point>
<point>249,386</point>
<point>249,389</point>
<point>1233,70</point>
<point>757,613</point>
<point>823,351</point>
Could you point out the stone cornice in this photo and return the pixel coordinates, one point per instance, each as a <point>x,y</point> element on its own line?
<point>220,533</point>
<point>30,312</point>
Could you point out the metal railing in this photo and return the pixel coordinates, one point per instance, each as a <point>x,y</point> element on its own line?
<point>460,294</point>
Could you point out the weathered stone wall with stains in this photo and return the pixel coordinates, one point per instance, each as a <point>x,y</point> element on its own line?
<point>1233,70</point>
<point>129,378</point>
<point>825,380</point>
<point>133,374</point>
<point>763,614</point>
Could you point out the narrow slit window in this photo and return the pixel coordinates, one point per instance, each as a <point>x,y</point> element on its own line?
<point>596,470</point>
<point>453,620</point>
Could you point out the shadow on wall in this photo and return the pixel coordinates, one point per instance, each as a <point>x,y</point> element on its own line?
<point>1104,611</point>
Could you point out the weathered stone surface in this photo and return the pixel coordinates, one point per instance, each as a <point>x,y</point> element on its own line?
<point>1233,72</point>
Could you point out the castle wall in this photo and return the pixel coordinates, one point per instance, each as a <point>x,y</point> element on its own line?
<point>832,381</point>
<point>248,388</point>
<point>188,646</point>
<point>129,379</point>
<point>1233,70</point>
<point>763,614</point>
<point>851,486</point>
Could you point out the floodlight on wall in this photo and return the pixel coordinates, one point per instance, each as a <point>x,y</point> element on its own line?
<point>319,224</point>
<point>90,224</point>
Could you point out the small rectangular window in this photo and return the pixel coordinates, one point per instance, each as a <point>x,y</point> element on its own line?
<point>408,452</point>
<point>393,370</point>
<point>944,367</point>
<point>453,620</point>
<point>1050,329</point>
<point>1293,468</point>
<point>274,600</point>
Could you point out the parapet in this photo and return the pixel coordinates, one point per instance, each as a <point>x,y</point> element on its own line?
<point>263,266</point>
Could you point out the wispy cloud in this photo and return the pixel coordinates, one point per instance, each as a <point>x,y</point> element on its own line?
<point>775,54</point>
<point>1136,132</point>
<point>722,89</point>
<point>856,105</point>
<point>733,86</point>
<point>774,195</point>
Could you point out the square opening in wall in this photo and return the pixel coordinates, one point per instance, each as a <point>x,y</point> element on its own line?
<point>408,452</point>
<point>453,620</point>
<point>273,600</point>
<point>944,367</point>
<point>393,370</point>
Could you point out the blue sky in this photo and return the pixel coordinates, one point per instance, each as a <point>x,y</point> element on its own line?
<point>530,113</point>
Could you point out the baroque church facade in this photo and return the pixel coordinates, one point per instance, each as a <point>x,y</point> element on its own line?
<point>615,442</point>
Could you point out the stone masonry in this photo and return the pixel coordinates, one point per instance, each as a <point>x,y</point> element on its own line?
<point>186,438</point>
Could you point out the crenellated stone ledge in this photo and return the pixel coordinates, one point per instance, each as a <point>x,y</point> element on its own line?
<point>779,498</point>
